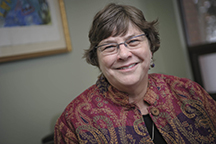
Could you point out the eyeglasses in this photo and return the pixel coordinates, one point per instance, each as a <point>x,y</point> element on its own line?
<point>131,43</point>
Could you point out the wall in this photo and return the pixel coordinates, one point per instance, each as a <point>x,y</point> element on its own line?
<point>34,92</point>
<point>172,56</point>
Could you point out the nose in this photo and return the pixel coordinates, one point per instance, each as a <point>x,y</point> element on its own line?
<point>118,46</point>
<point>123,51</point>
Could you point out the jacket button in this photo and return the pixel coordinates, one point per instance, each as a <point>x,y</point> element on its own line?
<point>155,111</point>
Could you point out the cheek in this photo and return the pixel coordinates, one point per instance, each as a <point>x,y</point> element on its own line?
<point>105,62</point>
<point>144,55</point>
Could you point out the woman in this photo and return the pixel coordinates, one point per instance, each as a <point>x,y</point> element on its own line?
<point>128,105</point>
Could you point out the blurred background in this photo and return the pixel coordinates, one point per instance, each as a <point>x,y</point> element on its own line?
<point>34,92</point>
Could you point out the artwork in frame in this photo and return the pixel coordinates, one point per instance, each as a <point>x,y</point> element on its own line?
<point>32,28</point>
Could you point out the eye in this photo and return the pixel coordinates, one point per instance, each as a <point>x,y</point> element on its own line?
<point>109,47</point>
<point>133,42</point>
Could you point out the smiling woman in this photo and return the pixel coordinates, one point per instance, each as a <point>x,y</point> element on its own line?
<point>127,68</point>
<point>128,105</point>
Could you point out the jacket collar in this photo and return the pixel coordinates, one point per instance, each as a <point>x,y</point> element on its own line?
<point>121,98</point>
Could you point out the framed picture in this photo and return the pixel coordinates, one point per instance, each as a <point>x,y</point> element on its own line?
<point>32,28</point>
<point>199,24</point>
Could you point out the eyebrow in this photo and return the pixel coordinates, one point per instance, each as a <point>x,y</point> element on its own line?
<point>114,41</point>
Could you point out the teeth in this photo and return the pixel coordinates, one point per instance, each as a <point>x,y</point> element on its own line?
<point>128,66</point>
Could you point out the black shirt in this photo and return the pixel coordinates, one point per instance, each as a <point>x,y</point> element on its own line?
<point>158,139</point>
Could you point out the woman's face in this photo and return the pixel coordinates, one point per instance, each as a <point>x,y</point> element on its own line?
<point>127,68</point>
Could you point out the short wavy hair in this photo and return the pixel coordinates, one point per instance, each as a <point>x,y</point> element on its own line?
<point>113,20</point>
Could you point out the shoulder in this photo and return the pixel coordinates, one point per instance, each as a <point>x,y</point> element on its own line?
<point>73,114</point>
<point>84,98</point>
<point>172,80</point>
<point>83,102</point>
<point>168,77</point>
<point>181,86</point>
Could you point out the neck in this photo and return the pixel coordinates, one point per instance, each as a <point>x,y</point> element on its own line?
<point>137,97</point>
<point>136,92</point>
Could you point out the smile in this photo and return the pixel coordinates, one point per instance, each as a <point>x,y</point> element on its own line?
<point>127,67</point>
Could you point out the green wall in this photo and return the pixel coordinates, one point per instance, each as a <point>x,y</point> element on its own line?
<point>34,92</point>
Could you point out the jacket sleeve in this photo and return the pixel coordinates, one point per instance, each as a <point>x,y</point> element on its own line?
<point>64,132</point>
<point>196,92</point>
<point>208,102</point>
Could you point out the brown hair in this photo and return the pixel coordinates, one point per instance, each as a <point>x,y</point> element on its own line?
<point>113,20</point>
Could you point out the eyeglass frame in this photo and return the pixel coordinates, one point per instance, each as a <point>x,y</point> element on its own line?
<point>118,44</point>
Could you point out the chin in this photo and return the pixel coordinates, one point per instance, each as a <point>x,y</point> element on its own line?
<point>130,82</point>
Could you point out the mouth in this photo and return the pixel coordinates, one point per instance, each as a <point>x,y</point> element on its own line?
<point>127,67</point>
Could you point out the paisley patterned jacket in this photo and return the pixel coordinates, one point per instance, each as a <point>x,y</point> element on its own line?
<point>182,111</point>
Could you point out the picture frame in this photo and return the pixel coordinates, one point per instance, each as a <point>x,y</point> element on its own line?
<point>24,42</point>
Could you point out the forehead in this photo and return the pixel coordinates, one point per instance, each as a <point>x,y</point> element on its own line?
<point>131,31</point>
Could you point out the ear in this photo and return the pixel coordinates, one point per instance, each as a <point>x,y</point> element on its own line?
<point>151,54</point>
